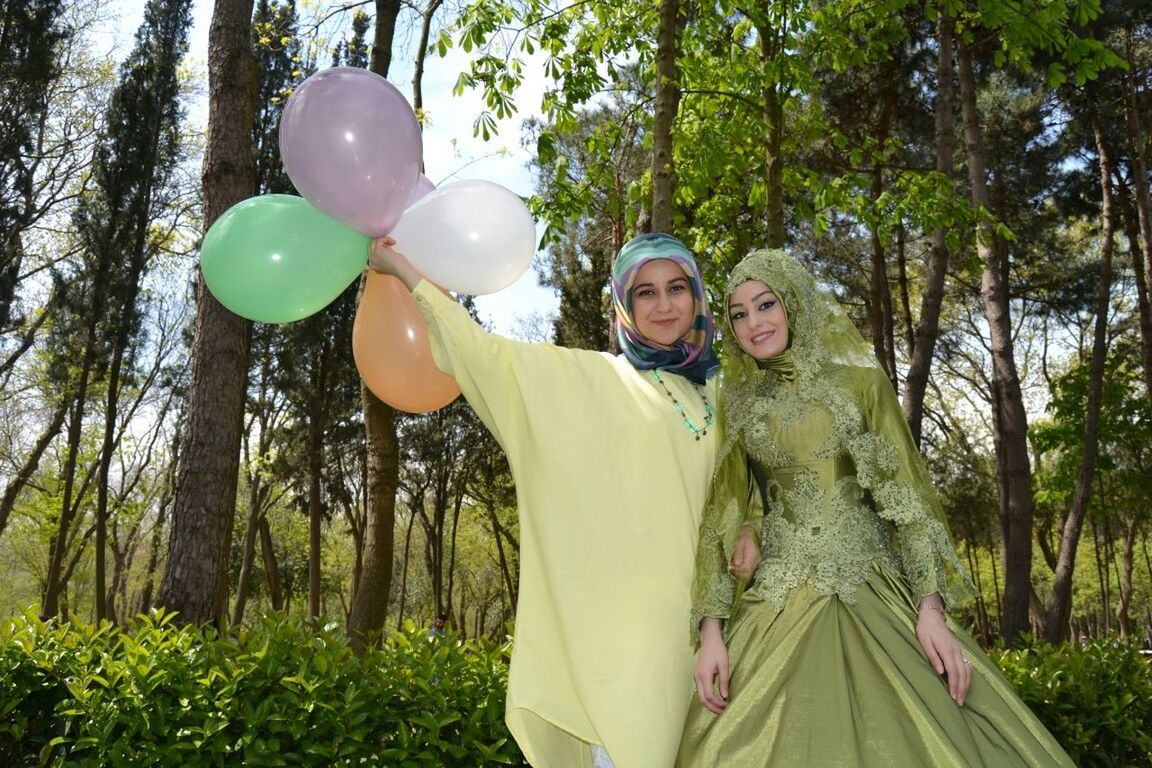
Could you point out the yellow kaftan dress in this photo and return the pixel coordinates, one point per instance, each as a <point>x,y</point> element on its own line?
<point>610,487</point>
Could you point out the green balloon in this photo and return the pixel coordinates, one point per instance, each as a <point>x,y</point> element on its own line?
<point>276,259</point>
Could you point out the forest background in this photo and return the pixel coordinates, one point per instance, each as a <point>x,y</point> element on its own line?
<point>970,179</point>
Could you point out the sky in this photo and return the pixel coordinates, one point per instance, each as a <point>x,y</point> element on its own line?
<point>450,151</point>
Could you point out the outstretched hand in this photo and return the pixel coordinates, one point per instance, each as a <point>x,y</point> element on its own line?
<point>745,554</point>
<point>944,652</point>
<point>386,260</point>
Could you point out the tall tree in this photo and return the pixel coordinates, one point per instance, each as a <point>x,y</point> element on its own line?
<point>370,601</point>
<point>30,31</point>
<point>927,331</point>
<point>279,55</point>
<point>1059,608</point>
<point>133,165</point>
<point>666,107</point>
<point>195,583</point>
<point>1010,417</point>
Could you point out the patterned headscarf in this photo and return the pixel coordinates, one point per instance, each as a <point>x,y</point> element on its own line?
<point>691,356</point>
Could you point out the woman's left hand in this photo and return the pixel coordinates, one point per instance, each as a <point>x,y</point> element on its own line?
<point>944,652</point>
<point>746,554</point>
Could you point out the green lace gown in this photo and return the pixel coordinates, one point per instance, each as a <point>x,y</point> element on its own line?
<point>825,666</point>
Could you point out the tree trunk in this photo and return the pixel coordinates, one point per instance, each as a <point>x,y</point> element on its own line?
<point>404,573</point>
<point>1124,604</point>
<point>107,449</point>
<point>271,572</point>
<point>145,603</point>
<point>58,545</point>
<point>928,330</point>
<point>457,504</point>
<point>315,503</point>
<point>32,462</point>
<point>1011,419</point>
<point>880,296</point>
<point>1144,215</point>
<point>505,571</point>
<point>667,105</point>
<point>247,562</point>
<point>370,601</point>
<point>773,114</point>
<point>421,55</point>
<point>1101,574</point>
<point>1059,606</point>
<point>196,581</point>
<point>386,13</point>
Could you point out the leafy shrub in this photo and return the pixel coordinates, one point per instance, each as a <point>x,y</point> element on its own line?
<point>1096,700</point>
<point>281,693</point>
<point>284,693</point>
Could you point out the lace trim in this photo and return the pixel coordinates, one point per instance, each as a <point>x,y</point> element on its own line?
<point>831,543</point>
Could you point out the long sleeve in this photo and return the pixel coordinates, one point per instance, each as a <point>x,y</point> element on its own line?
<point>488,368</point>
<point>733,500</point>
<point>890,467</point>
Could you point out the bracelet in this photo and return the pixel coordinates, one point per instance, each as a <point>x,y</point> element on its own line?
<point>930,607</point>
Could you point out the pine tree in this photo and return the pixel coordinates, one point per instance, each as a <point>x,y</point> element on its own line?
<point>134,161</point>
<point>30,31</point>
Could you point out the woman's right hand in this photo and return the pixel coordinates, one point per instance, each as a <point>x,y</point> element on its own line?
<point>745,553</point>
<point>386,260</point>
<point>712,667</point>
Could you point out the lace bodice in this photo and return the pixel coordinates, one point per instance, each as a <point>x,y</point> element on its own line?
<point>842,489</point>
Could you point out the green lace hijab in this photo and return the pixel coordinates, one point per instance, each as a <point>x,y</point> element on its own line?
<point>821,339</point>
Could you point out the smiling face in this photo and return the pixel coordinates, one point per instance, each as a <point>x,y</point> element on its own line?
<point>663,306</point>
<point>758,320</point>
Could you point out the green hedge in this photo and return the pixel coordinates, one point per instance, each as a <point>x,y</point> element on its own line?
<point>281,693</point>
<point>1096,700</point>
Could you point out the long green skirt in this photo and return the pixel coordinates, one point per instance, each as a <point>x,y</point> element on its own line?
<point>829,683</point>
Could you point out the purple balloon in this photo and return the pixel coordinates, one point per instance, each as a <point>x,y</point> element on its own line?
<point>424,185</point>
<point>351,145</point>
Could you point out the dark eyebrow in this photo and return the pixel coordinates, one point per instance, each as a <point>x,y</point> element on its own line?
<point>638,286</point>
<point>755,298</point>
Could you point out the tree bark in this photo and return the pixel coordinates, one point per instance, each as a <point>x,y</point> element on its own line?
<point>1144,216</point>
<point>928,329</point>
<point>315,503</point>
<point>196,580</point>
<point>1059,607</point>
<point>404,573</point>
<point>1124,604</point>
<point>1011,420</point>
<point>271,571</point>
<point>32,462</point>
<point>386,13</point>
<point>667,105</point>
<point>370,601</point>
<point>771,46</point>
<point>421,56</point>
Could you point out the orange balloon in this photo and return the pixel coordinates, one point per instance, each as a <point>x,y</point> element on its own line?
<point>392,352</point>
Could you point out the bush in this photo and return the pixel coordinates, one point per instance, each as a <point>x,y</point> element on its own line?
<point>284,693</point>
<point>1096,700</point>
<point>281,693</point>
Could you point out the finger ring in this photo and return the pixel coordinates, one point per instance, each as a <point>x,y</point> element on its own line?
<point>965,660</point>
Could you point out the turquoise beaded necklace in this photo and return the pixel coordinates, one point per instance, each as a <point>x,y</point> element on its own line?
<point>688,423</point>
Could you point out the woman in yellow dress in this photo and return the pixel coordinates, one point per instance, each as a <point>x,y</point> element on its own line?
<point>839,652</point>
<point>611,456</point>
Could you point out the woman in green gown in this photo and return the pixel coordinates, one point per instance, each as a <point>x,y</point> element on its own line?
<point>839,653</point>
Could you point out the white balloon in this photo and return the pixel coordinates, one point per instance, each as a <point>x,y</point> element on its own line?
<point>471,237</point>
